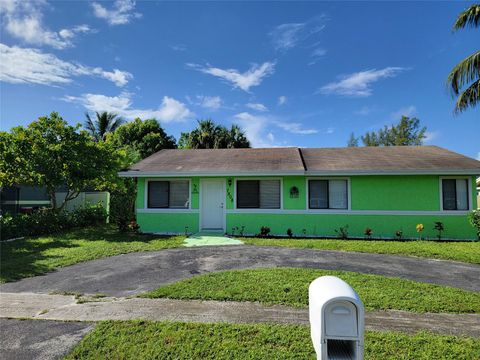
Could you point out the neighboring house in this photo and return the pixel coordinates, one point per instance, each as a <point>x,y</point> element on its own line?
<point>311,191</point>
<point>24,199</point>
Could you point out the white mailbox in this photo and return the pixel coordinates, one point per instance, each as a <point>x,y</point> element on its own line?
<point>337,319</point>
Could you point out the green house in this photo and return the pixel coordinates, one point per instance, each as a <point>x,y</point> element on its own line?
<point>311,191</point>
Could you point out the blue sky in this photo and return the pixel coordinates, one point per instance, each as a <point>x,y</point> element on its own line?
<point>291,74</point>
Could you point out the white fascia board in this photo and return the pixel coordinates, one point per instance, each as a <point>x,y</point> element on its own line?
<point>206,174</point>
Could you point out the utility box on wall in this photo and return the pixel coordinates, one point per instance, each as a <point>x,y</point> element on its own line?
<point>337,319</point>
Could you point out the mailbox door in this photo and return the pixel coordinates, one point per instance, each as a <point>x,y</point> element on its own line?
<point>341,319</point>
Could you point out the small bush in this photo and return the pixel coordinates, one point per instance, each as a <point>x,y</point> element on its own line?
<point>289,232</point>
<point>264,231</point>
<point>474,219</point>
<point>439,227</point>
<point>399,234</point>
<point>342,232</point>
<point>48,221</point>
<point>368,233</point>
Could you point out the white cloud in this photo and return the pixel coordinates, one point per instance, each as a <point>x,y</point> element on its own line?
<point>364,110</point>
<point>122,12</point>
<point>257,107</point>
<point>179,47</point>
<point>259,128</point>
<point>405,111</point>
<point>24,65</point>
<point>430,136</point>
<point>170,110</point>
<point>316,55</point>
<point>359,83</point>
<point>287,36</point>
<point>24,20</point>
<point>252,77</point>
<point>282,100</point>
<point>209,102</point>
<point>478,156</point>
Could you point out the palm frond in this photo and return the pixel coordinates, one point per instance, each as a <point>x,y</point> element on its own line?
<point>464,72</point>
<point>470,17</point>
<point>90,125</point>
<point>468,98</point>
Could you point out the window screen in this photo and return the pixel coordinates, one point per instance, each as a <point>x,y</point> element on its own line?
<point>158,194</point>
<point>455,194</point>
<point>258,194</point>
<point>179,194</point>
<point>327,194</point>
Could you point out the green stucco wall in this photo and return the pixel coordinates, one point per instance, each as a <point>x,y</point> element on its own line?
<point>401,194</point>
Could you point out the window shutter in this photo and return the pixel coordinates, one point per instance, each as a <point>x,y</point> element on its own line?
<point>337,192</point>
<point>270,194</point>
<point>158,194</point>
<point>179,194</point>
<point>318,194</point>
<point>462,194</point>
<point>449,194</point>
<point>248,194</point>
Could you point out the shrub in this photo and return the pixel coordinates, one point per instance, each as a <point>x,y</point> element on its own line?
<point>264,231</point>
<point>439,227</point>
<point>399,234</point>
<point>122,202</point>
<point>342,232</point>
<point>474,219</point>
<point>48,221</point>
<point>289,232</point>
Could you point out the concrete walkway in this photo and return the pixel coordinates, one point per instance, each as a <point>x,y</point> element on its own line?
<point>62,307</point>
<point>210,239</point>
<point>134,273</point>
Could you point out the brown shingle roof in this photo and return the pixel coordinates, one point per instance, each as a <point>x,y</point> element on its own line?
<point>223,161</point>
<point>375,160</point>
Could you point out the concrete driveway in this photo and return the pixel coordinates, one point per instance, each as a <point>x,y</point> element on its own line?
<point>134,273</point>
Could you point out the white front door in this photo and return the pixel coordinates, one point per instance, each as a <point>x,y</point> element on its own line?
<point>212,204</point>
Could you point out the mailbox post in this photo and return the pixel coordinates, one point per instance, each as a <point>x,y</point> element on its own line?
<point>337,319</point>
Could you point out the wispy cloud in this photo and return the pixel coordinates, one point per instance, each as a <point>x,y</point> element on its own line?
<point>282,100</point>
<point>207,102</point>
<point>364,110</point>
<point>405,111</point>
<point>24,20</point>
<point>169,110</point>
<point>122,12</point>
<point>287,36</point>
<point>252,77</point>
<point>316,55</point>
<point>359,84</point>
<point>478,156</point>
<point>259,128</point>
<point>257,107</point>
<point>178,47</point>
<point>431,136</point>
<point>24,65</point>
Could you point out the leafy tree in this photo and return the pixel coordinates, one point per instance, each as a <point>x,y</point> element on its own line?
<point>141,138</point>
<point>104,123</point>
<point>467,71</point>
<point>352,141</point>
<point>208,135</point>
<point>51,153</point>
<point>406,132</point>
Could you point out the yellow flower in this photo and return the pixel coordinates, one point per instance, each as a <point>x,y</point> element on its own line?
<point>419,227</point>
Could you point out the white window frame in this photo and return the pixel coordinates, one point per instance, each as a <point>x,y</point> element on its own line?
<point>328,211</point>
<point>469,190</point>
<point>166,210</point>
<point>258,210</point>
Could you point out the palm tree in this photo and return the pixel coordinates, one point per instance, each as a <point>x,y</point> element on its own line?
<point>106,122</point>
<point>467,71</point>
<point>209,135</point>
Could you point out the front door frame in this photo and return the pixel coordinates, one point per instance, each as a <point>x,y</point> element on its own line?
<point>200,205</point>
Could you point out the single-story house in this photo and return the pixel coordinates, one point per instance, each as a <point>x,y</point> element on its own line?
<point>312,191</point>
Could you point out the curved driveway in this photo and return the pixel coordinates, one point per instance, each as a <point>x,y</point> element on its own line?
<point>134,273</point>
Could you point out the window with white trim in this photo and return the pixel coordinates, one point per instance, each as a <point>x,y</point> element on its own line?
<point>172,194</point>
<point>258,194</point>
<point>328,194</point>
<point>455,194</point>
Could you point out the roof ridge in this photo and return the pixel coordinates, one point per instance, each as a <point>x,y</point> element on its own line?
<point>301,158</point>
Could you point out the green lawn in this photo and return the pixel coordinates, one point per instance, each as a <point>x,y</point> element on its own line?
<point>460,251</point>
<point>174,340</point>
<point>290,287</point>
<point>35,256</point>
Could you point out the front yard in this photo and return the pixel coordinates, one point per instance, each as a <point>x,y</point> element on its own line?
<point>468,251</point>
<point>36,256</point>
<point>176,340</point>
<point>288,286</point>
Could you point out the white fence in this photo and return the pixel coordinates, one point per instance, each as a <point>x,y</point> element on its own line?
<point>86,198</point>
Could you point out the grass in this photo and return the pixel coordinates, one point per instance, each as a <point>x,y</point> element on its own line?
<point>289,286</point>
<point>35,256</point>
<point>468,252</point>
<point>175,340</point>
